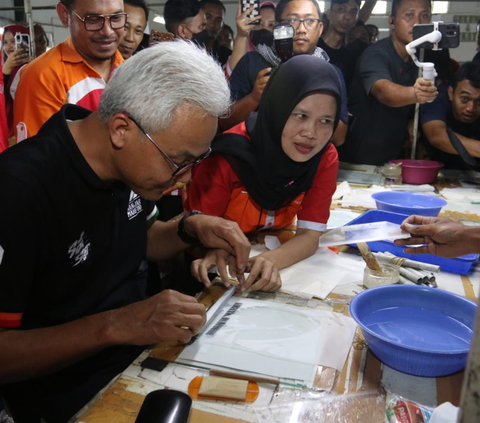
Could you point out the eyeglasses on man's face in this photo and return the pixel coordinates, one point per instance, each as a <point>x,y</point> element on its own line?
<point>310,23</point>
<point>96,22</point>
<point>179,169</point>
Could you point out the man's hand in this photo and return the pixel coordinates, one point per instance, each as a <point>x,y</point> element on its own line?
<point>443,236</point>
<point>260,83</point>
<point>215,232</point>
<point>424,91</point>
<point>168,316</point>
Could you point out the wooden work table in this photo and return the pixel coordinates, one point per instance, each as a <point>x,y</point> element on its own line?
<point>362,372</point>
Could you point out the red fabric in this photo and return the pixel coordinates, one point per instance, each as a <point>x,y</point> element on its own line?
<point>10,320</point>
<point>216,190</point>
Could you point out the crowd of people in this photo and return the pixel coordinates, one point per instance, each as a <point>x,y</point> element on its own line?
<point>115,133</point>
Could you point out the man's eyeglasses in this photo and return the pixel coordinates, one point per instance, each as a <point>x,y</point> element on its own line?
<point>96,22</point>
<point>309,23</point>
<point>180,169</point>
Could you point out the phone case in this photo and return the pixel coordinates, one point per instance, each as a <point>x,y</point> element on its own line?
<point>450,34</point>
<point>22,41</point>
<point>246,4</point>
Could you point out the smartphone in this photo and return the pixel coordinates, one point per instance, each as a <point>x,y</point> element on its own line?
<point>246,4</point>
<point>450,34</point>
<point>22,42</point>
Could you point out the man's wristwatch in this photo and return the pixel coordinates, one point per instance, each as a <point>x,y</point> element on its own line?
<point>182,233</point>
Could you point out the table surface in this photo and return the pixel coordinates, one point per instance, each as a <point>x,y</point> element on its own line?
<point>364,384</point>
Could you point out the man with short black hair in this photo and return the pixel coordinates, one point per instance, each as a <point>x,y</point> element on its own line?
<point>185,19</point>
<point>251,74</point>
<point>137,20</point>
<point>215,15</point>
<point>384,89</point>
<point>342,16</point>
<point>76,70</point>
<point>457,107</point>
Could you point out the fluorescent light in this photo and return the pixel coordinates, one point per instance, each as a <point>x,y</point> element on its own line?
<point>379,9</point>
<point>321,4</point>
<point>159,19</point>
<point>440,7</point>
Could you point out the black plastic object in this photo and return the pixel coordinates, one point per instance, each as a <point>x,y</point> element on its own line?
<point>472,162</point>
<point>165,406</point>
<point>283,34</point>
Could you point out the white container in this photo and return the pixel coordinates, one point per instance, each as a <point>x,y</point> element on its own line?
<point>388,276</point>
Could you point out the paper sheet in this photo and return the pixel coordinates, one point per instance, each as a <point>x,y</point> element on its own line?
<point>275,339</point>
<point>318,275</point>
<point>460,200</point>
<point>321,273</point>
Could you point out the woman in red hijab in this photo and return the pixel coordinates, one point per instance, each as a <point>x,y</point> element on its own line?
<point>12,61</point>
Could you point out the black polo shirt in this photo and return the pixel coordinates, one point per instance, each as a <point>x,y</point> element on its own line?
<point>70,246</point>
<point>377,132</point>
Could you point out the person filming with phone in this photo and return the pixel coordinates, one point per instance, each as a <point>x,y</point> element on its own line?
<point>252,72</point>
<point>384,88</point>
<point>13,58</point>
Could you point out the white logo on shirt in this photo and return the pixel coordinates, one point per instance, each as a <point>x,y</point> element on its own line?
<point>21,131</point>
<point>79,250</point>
<point>134,205</point>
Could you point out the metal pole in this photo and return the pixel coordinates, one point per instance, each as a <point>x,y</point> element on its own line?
<point>469,401</point>
<point>28,16</point>
<point>417,111</point>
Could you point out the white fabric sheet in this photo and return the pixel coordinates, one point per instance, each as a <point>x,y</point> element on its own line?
<point>274,339</point>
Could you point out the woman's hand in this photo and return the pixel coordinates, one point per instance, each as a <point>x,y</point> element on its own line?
<point>219,258</point>
<point>17,58</point>
<point>264,275</point>
<point>242,22</point>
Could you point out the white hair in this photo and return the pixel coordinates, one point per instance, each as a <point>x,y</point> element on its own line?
<point>155,82</point>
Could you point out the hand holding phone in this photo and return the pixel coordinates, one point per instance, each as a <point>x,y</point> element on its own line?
<point>22,42</point>
<point>255,13</point>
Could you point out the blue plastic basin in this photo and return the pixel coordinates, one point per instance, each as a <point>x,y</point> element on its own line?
<point>408,203</point>
<point>416,330</point>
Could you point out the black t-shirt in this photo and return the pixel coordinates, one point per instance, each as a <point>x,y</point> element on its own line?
<point>71,246</point>
<point>345,58</point>
<point>441,109</point>
<point>377,132</point>
<point>221,53</point>
<point>476,58</point>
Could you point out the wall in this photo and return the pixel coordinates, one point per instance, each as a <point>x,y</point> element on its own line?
<point>52,25</point>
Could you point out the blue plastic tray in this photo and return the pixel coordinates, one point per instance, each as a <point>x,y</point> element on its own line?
<point>461,265</point>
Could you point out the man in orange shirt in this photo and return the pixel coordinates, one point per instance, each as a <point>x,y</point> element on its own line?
<point>75,71</point>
